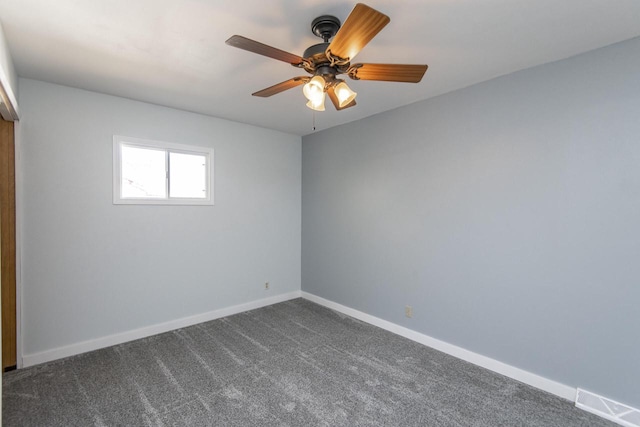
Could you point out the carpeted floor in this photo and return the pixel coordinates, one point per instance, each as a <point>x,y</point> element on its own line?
<point>290,364</point>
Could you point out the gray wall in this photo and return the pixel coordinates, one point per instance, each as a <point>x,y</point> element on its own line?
<point>507,214</point>
<point>91,268</point>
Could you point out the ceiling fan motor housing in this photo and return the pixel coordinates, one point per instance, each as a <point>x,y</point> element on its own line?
<point>316,53</point>
<point>319,64</point>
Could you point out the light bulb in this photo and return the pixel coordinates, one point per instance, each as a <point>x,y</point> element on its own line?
<point>345,94</point>
<point>314,89</point>
<point>317,105</point>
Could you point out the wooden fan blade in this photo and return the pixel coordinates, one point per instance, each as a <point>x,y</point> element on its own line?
<point>388,72</point>
<point>362,25</point>
<point>281,87</point>
<point>334,98</point>
<point>263,49</point>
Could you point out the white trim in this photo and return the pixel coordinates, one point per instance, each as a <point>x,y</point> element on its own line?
<point>17,135</point>
<point>518,374</point>
<point>8,102</point>
<point>122,337</point>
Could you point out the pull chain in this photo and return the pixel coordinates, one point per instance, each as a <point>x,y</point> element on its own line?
<point>314,119</point>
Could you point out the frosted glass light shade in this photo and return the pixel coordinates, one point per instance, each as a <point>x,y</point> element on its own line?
<point>314,89</point>
<point>345,94</point>
<point>317,105</point>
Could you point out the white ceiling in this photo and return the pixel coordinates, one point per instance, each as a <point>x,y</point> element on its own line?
<point>172,52</point>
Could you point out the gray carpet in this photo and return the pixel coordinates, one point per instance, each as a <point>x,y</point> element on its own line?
<point>290,364</point>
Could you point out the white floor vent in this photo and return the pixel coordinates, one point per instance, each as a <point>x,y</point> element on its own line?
<point>607,408</point>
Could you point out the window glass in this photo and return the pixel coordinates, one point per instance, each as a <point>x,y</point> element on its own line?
<point>187,175</point>
<point>143,173</point>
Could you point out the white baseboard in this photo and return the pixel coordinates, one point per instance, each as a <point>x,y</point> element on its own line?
<point>534,380</point>
<point>122,337</point>
<point>518,374</point>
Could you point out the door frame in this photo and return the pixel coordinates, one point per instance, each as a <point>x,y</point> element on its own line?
<point>19,215</point>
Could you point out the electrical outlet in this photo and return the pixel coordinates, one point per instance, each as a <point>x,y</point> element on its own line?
<point>266,286</point>
<point>408,311</point>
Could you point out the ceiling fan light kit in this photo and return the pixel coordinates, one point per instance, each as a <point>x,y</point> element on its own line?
<point>314,88</point>
<point>327,60</point>
<point>317,104</point>
<point>345,94</point>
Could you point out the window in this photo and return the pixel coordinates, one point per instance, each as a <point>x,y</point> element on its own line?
<point>161,173</point>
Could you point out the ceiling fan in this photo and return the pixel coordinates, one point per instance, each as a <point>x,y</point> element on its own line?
<point>327,60</point>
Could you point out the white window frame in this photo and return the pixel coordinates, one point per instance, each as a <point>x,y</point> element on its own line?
<point>167,147</point>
